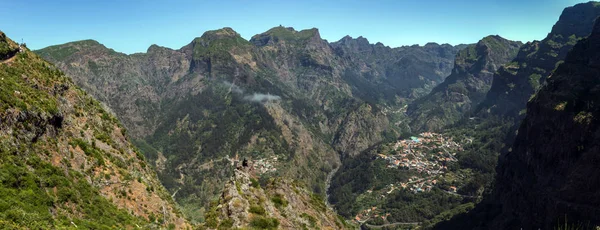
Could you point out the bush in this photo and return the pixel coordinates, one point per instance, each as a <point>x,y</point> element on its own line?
<point>264,223</point>
<point>279,201</point>
<point>257,209</point>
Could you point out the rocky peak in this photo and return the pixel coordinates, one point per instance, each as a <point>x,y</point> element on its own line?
<point>514,84</point>
<point>348,43</point>
<point>577,20</point>
<point>287,35</point>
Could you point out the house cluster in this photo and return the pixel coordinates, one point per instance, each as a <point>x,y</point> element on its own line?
<point>428,154</point>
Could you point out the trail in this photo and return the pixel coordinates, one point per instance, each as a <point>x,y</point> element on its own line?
<point>9,60</point>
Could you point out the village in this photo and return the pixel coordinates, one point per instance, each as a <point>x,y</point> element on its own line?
<point>427,156</point>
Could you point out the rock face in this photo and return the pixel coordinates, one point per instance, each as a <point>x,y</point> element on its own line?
<point>465,88</point>
<point>65,161</point>
<point>551,176</point>
<point>284,93</point>
<point>281,204</point>
<point>383,73</point>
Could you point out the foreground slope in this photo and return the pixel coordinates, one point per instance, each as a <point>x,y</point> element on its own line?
<point>551,175</point>
<point>276,203</point>
<point>64,160</point>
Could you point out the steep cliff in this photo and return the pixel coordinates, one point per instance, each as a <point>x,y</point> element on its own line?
<point>465,88</point>
<point>551,175</point>
<point>65,161</point>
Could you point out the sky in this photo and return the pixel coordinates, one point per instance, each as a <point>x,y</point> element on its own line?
<point>131,26</point>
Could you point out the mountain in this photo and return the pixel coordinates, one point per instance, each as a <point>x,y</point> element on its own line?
<point>516,82</point>
<point>550,176</point>
<point>465,88</point>
<point>548,179</point>
<point>382,73</point>
<point>274,204</point>
<point>65,161</point>
<point>286,94</point>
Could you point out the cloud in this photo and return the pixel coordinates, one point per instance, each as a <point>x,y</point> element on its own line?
<point>254,97</point>
<point>259,97</point>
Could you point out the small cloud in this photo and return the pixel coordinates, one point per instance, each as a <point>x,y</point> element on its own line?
<point>259,97</point>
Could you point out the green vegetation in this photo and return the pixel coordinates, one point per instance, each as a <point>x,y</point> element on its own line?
<point>311,220</point>
<point>30,188</point>
<point>18,92</point>
<point>6,49</point>
<point>89,150</point>
<point>534,80</point>
<point>288,35</point>
<point>257,209</point>
<point>279,201</point>
<point>218,43</point>
<point>260,222</point>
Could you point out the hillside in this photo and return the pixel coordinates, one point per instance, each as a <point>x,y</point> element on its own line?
<point>549,176</point>
<point>65,161</point>
<point>465,88</point>
<point>556,182</point>
<point>285,93</point>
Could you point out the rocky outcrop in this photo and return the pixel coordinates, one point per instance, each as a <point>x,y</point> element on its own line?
<point>465,88</point>
<point>281,204</point>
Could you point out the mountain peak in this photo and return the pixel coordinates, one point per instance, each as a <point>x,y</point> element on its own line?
<point>286,34</point>
<point>225,32</point>
<point>577,20</point>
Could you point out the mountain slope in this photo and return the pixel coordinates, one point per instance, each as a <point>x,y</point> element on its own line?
<point>465,88</point>
<point>381,73</point>
<point>64,160</point>
<point>515,83</point>
<point>551,175</point>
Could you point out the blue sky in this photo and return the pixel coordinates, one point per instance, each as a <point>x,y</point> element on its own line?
<point>131,26</point>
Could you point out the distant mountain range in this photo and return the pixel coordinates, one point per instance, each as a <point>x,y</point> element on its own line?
<point>284,93</point>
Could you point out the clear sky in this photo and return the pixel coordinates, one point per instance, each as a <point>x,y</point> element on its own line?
<point>131,26</point>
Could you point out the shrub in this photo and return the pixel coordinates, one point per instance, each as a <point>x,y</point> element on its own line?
<point>257,209</point>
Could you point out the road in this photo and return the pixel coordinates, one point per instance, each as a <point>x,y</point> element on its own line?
<point>392,224</point>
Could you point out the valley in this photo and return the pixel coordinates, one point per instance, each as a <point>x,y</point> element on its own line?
<point>287,130</point>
